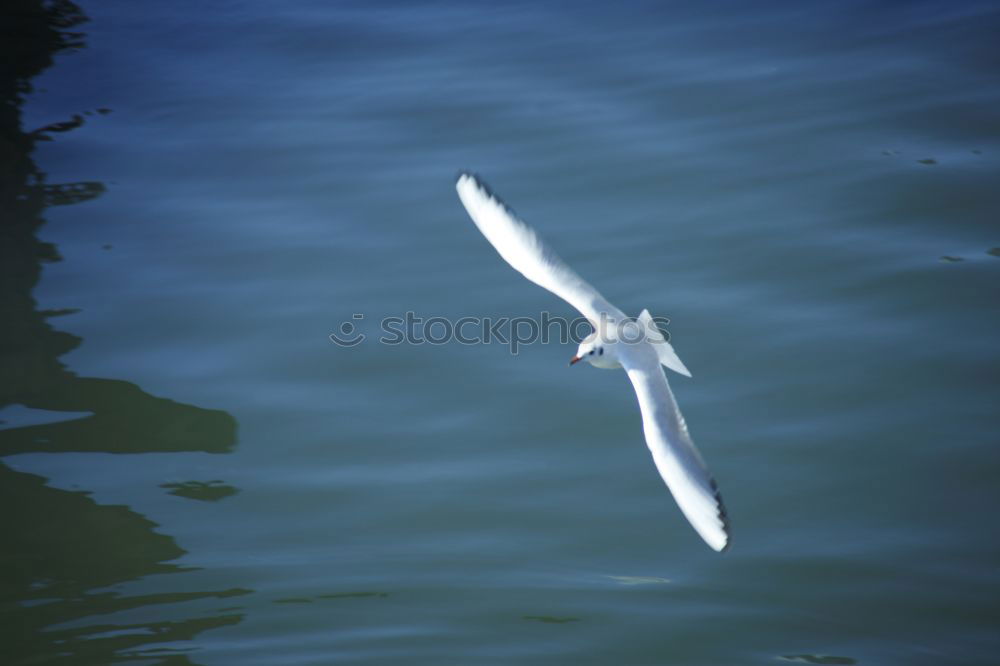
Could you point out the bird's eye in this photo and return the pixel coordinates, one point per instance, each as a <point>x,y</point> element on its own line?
<point>601,352</point>
<point>591,352</point>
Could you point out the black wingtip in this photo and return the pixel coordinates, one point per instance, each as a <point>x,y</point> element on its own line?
<point>478,180</point>
<point>723,516</point>
<point>484,187</point>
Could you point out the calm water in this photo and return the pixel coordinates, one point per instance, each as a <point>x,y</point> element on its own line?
<point>192,473</point>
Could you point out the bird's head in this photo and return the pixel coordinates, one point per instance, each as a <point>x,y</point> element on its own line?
<point>592,350</point>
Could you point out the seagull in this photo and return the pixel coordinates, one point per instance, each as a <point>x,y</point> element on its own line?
<point>616,342</point>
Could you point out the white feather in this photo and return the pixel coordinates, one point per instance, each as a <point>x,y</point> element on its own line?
<point>668,357</point>
<point>675,455</point>
<point>677,460</point>
<point>521,247</point>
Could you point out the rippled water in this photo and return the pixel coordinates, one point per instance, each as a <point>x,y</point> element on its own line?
<point>193,473</point>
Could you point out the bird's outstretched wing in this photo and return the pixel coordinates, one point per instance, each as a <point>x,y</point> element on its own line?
<point>675,455</point>
<point>521,247</point>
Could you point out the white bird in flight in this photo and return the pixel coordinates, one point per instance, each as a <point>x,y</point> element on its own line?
<point>617,342</point>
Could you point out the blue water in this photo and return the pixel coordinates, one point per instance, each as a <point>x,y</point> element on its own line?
<point>200,476</point>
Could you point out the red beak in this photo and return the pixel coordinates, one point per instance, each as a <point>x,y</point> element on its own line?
<point>575,359</point>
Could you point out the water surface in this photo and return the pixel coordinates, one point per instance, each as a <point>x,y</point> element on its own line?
<point>194,474</point>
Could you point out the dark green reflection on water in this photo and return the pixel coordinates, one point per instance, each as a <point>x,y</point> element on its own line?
<point>205,491</point>
<point>61,550</point>
<point>818,659</point>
